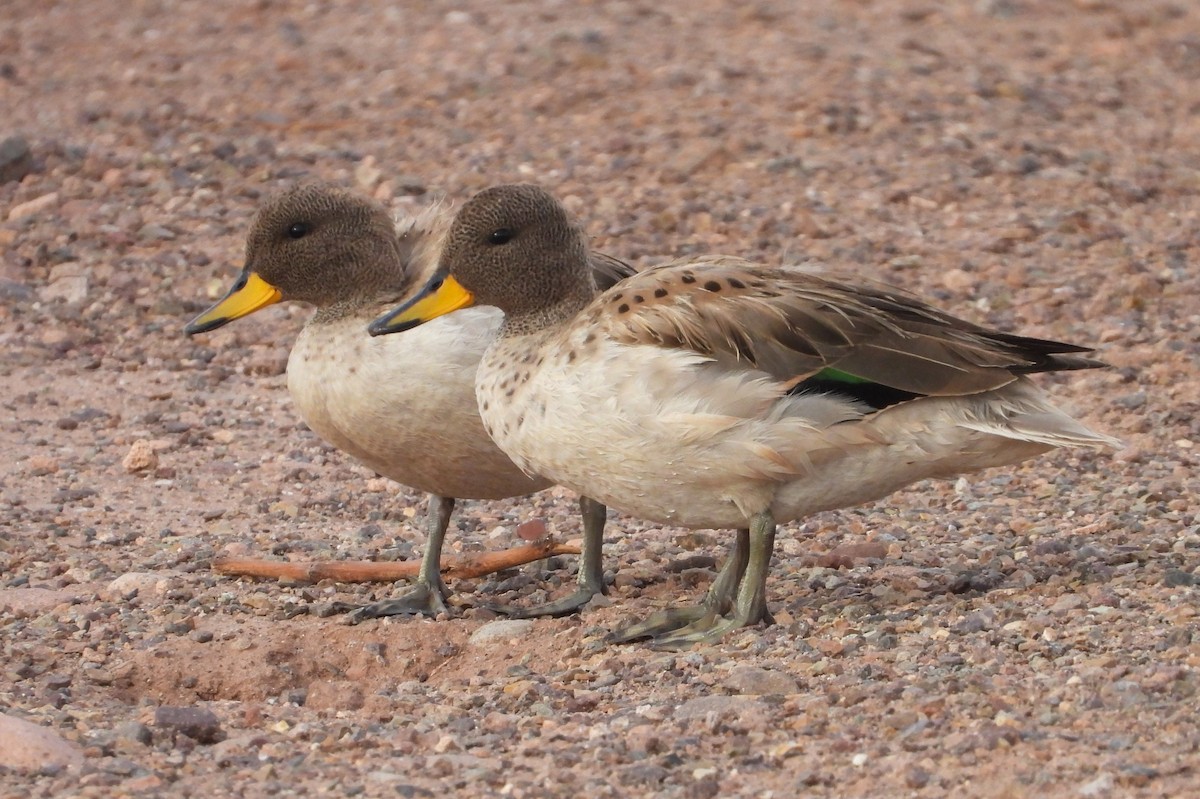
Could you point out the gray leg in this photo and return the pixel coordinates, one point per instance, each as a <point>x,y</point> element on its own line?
<point>750,606</point>
<point>591,568</point>
<point>717,602</point>
<point>428,594</point>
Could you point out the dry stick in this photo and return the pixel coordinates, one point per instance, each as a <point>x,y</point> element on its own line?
<point>360,571</point>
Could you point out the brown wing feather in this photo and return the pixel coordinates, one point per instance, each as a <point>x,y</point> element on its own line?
<point>608,271</point>
<point>792,324</point>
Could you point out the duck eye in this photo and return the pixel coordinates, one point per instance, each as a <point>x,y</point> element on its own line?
<point>298,230</point>
<point>502,236</point>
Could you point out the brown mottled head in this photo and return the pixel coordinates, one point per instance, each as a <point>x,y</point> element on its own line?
<point>515,247</point>
<point>512,247</point>
<point>324,245</point>
<point>318,244</point>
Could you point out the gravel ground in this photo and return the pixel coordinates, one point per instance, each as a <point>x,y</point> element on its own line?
<point>1028,632</point>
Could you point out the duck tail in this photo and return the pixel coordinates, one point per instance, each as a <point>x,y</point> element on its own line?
<point>1052,428</point>
<point>1045,355</point>
<point>1021,412</point>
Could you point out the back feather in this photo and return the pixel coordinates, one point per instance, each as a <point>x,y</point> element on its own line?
<point>792,324</point>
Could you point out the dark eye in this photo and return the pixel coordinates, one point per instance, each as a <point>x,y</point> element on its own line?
<point>502,236</point>
<point>298,230</point>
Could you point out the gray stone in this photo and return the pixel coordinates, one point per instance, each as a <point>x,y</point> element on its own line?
<point>757,681</point>
<point>134,731</point>
<point>502,630</point>
<point>1099,786</point>
<point>747,710</point>
<point>131,584</point>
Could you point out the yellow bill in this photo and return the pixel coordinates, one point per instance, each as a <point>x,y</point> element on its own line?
<point>248,294</point>
<point>441,296</point>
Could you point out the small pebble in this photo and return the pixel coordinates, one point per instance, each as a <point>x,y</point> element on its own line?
<point>140,457</point>
<point>33,207</point>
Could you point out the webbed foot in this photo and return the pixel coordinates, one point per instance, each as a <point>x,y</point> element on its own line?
<point>708,629</point>
<point>559,607</point>
<point>660,623</point>
<point>591,570</point>
<point>736,599</point>
<point>420,600</point>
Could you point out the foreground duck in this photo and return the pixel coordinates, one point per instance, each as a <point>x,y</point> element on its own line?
<point>720,393</point>
<point>403,407</point>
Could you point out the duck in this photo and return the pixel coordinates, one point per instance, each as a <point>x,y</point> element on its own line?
<point>404,408</point>
<point>714,392</point>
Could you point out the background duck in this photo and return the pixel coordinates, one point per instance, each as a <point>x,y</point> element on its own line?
<point>715,392</point>
<point>404,408</point>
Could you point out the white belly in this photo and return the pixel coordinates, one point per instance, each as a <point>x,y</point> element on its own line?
<point>404,405</point>
<point>669,437</point>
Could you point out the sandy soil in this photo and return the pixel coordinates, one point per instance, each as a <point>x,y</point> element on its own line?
<point>1028,632</point>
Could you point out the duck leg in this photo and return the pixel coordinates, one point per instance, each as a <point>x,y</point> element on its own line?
<point>428,594</point>
<point>591,569</point>
<point>717,601</point>
<point>749,608</point>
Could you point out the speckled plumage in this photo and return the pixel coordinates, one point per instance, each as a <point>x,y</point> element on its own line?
<point>690,420</point>
<point>679,395</point>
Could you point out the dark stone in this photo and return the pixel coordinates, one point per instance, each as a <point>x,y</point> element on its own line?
<point>644,774</point>
<point>15,292</point>
<point>16,159</point>
<point>1178,577</point>
<point>982,581</point>
<point>691,562</point>
<point>73,494</point>
<point>197,723</point>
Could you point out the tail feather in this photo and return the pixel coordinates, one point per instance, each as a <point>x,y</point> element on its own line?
<point>1043,425</point>
<point>1058,363</point>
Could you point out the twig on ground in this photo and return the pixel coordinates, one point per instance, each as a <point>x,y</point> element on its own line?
<point>360,571</point>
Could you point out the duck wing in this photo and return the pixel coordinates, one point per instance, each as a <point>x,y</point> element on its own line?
<point>797,325</point>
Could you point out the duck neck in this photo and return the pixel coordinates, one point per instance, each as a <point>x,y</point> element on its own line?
<point>537,320</point>
<point>357,307</point>
<point>367,301</point>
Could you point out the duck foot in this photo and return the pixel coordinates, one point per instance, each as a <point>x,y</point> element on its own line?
<point>719,599</point>
<point>708,629</point>
<point>422,599</point>
<point>559,607</point>
<point>591,570</point>
<point>737,598</point>
<point>681,628</point>
<point>660,623</point>
<point>428,595</point>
